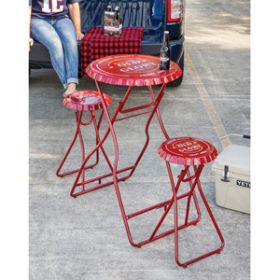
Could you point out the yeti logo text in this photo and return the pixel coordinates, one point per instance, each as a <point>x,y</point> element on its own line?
<point>52,6</point>
<point>243,184</point>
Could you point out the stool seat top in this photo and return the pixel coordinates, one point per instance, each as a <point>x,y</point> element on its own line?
<point>85,100</point>
<point>187,151</point>
<point>132,70</point>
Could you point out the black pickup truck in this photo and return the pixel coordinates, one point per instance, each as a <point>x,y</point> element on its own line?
<point>154,15</point>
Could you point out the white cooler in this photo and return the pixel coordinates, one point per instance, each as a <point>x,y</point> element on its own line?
<point>232,172</point>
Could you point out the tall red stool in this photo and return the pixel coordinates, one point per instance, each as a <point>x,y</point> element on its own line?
<point>82,102</point>
<point>191,153</point>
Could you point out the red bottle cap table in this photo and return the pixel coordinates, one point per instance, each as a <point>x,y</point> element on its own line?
<point>187,151</point>
<point>132,70</point>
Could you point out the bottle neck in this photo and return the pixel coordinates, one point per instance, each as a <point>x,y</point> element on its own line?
<point>166,40</point>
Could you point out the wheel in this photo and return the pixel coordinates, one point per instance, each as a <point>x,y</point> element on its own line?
<point>178,82</point>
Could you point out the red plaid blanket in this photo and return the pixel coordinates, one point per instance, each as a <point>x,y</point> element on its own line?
<point>95,45</point>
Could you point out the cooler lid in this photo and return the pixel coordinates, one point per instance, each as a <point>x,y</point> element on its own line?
<point>236,157</point>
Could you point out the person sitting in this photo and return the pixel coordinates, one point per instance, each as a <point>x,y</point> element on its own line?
<point>51,25</point>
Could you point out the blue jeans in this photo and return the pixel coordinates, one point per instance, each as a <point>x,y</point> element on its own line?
<point>59,36</point>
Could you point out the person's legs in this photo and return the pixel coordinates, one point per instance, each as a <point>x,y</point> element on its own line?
<point>43,31</point>
<point>65,30</point>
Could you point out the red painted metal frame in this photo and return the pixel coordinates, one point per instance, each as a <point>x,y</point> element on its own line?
<point>125,70</point>
<point>166,205</point>
<point>128,112</point>
<point>80,103</point>
<point>115,172</point>
<point>184,177</point>
<point>195,184</point>
<point>79,123</point>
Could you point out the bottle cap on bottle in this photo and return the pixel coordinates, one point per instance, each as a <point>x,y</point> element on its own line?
<point>117,8</point>
<point>109,8</point>
<point>166,32</point>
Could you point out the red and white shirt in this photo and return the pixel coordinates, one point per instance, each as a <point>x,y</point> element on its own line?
<point>50,8</point>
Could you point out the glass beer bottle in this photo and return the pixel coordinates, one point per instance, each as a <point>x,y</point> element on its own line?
<point>165,53</point>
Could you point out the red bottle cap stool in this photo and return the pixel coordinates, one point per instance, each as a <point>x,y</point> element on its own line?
<point>187,151</point>
<point>192,153</point>
<point>86,100</point>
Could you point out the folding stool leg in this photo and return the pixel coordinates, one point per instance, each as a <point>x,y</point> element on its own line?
<point>97,138</point>
<point>99,145</point>
<point>197,220</point>
<point>78,117</point>
<point>176,227</point>
<point>96,130</point>
<point>82,150</point>
<point>176,236</point>
<point>97,126</point>
<point>195,203</point>
<point>212,218</point>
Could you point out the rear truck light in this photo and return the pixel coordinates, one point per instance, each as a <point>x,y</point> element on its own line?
<point>174,10</point>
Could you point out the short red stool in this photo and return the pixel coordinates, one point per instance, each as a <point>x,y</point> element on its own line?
<point>82,102</point>
<point>191,153</point>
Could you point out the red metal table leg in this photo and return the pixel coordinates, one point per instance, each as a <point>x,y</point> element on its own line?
<point>166,211</point>
<point>115,165</point>
<point>116,180</point>
<point>163,129</point>
<point>157,101</point>
<point>116,151</point>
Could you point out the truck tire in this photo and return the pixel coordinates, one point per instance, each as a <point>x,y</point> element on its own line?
<point>178,82</point>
